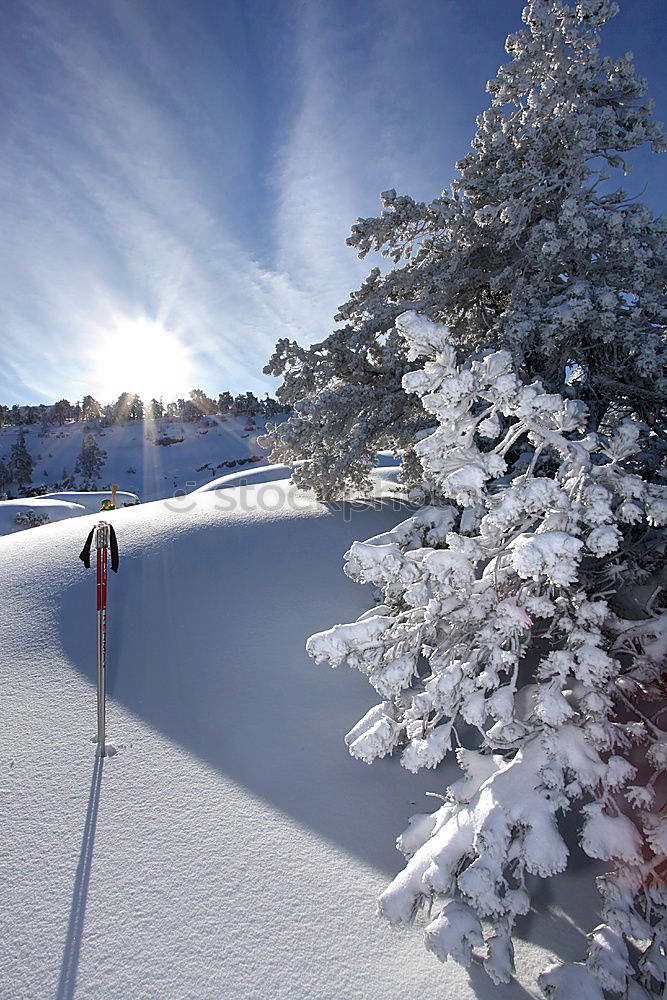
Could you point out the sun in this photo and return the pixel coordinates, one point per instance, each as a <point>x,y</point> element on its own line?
<point>140,355</point>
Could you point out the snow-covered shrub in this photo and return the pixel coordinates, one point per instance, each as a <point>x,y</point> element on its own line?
<point>29,519</point>
<point>521,626</point>
<point>165,440</point>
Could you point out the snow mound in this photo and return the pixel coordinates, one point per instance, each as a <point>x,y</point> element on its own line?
<point>383,480</point>
<point>249,477</point>
<point>92,501</point>
<point>43,511</point>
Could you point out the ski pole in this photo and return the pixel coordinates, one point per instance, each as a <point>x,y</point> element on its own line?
<point>102,546</point>
<point>103,537</point>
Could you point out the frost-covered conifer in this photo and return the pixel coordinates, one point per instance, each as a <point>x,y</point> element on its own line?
<point>21,462</point>
<point>90,408</point>
<point>530,250</point>
<point>522,626</point>
<point>91,459</point>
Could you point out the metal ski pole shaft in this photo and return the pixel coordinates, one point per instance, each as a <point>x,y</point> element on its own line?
<point>102,544</point>
<point>103,538</point>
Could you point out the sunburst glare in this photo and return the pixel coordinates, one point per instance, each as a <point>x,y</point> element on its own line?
<point>140,355</point>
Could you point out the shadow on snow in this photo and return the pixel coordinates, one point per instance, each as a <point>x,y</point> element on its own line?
<point>206,643</point>
<point>74,935</point>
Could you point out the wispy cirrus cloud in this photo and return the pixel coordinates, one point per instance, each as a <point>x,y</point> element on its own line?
<point>202,163</point>
<point>143,175</point>
<point>375,110</point>
<point>119,201</point>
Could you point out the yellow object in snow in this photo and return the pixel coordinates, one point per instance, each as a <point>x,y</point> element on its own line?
<point>110,504</point>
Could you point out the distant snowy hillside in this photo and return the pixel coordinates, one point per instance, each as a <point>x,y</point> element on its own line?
<point>190,455</point>
<point>231,849</point>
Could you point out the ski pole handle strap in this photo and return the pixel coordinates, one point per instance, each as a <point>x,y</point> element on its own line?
<point>113,545</point>
<point>84,555</point>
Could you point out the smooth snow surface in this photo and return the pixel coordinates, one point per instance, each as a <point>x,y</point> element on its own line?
<point>231,848</point>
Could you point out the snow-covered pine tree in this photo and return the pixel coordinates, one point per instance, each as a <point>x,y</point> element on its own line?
<point>21,462</point>
<point>523,617</point>
<point>524,623</point>
<point>91,459</point>
<point>530,250</point>
<point>154,409</point>
<point>90,408</point>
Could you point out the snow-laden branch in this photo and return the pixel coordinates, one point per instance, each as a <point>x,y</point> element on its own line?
<point>491,618</point>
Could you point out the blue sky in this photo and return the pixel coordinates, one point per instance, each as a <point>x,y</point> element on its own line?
<point>195,166</point>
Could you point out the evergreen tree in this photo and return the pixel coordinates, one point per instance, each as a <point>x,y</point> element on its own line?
<point>528,613</point>
<point>529,250</point>
<point>155,409</point>
<point>251,403</point>
<point>29,519</point>
<point>44,419</point>
<point>66,480</point>
<point>128,406</point>
<point>189,411</point>
<point>136,408</point>
<point>121,408</point>
<point>91,459</point>
<point>225,402</point>
<point>62,411</point>
<point>90,409</point>
<point>204,403</point>
<point>21,463</point>
<point>271,406</point>
<point>523,614</point>
<point>108,414</point>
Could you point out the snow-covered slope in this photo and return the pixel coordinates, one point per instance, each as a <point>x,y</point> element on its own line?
<point>231,848</point>
<point>198,452</point>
